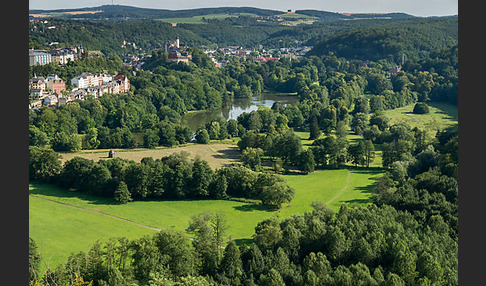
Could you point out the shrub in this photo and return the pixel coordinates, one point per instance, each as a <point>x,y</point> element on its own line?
<point>420,108</point>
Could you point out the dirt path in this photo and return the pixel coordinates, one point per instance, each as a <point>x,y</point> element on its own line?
<point>342,190</point>
<point>100,213</point>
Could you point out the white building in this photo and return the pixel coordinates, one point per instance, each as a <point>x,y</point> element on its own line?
<point>39,57</point>
<point>61,56</point>
<point>83,81</point>
<point>86,80</point>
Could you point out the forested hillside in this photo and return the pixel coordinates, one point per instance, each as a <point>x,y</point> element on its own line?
<point>244,31</point>
<point>415,38</point>
<point>108,37</point>
<point>116,12</point>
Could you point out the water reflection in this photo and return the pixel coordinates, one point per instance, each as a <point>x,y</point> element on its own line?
<point>233,107</point>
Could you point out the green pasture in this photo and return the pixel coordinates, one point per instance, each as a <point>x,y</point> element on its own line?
<point>199,19</point>
<point>63,221</point>
<point>441,116</point>
<point>296,16</point>
<point>60,230</point>
<point>353,186</point>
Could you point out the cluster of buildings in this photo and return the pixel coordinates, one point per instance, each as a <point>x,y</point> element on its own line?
<point>51,91</point>
<point>60,56</point>
<point>99,84</point>
<point>260,55</point>
<point>47,91</point>
<point>177,53</point>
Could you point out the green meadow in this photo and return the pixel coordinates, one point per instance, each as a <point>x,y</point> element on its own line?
<point>441,116</point>
<point>199,19</point>
<point>63,221</point>
<point>60,230</point>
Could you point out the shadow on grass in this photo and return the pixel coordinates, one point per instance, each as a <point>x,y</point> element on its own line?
<point>230,153</point>
<point>242,241</point>
<point>368,171</point>
<point>358,202</point>
<point>58,192</point>
<point>447,109</point>
<point>253,207</point>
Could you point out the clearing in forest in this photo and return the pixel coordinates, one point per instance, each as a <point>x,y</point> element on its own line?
<point>217,155</point>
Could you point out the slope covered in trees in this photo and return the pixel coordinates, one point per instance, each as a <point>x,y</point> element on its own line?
<point>414,38</point>
<point>115,12</point>
<point>120,11</point>
<point>149,34</point>
<point>108,37</point>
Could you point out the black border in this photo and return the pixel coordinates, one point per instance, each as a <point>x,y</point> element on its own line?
<point>471,146</point>
<point>14,116</point>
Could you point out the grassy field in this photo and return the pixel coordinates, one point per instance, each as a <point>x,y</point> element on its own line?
<point>293,19</point>
<point>353,186</point>
<point>199,19</point>
<point>217,155</point>
<point>61,229</point>
<point>63,221</point>
<point>441,116</point>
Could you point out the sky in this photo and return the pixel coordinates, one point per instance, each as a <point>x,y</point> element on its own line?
<point>422,8</point>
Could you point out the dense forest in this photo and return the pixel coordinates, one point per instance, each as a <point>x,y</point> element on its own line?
<point>414,39</point>
<point>407,236</point>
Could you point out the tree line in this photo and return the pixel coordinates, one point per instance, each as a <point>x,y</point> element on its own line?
<point>171,177</point>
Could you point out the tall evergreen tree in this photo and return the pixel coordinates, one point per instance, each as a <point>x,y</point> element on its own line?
<point>315,132</point>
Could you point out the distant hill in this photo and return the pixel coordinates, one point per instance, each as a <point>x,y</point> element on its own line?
<point>417,37</point>
<point>120,11</point>
<point>325,16</point>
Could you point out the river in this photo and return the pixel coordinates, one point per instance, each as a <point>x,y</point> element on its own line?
<point>234,107</point>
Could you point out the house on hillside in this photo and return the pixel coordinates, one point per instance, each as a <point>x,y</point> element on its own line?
<point>266,59</point>
<point>83,80</point>
<point>50,100</point>
<point>61,56</point>
<point>123,82</point>
<point>37,83</point>
<point>55,84</point>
